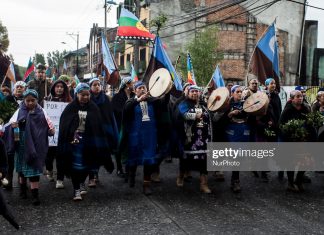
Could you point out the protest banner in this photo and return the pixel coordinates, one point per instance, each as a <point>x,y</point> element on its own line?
<point>54,111</point>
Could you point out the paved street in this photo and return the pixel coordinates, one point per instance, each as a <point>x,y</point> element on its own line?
<point>114,208</point>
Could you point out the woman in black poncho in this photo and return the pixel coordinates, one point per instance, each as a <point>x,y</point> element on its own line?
<point>109,123</point>
<point>82,142</point>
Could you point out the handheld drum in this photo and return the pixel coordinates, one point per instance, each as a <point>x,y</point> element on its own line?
<point>160,83</point>
<point>256,104</point>
<point>218,100</point>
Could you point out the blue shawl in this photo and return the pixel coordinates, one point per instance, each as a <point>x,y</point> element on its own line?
<point>36,135</point>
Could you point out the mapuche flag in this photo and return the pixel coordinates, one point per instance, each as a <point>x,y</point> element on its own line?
<point>265,59</point>
<point>160,59</point>
<point>130,27</point>
<point>191,75</point>
<point>30,68</point>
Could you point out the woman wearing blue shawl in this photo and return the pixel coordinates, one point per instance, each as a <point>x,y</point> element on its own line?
<point>32,143</point>
<point>140,134</point>
<point>237,128</point>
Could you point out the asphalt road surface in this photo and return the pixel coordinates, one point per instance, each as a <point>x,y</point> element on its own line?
<point>114,208</point>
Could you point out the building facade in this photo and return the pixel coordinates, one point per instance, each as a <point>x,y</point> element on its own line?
<point>76,66</point>
<point>240,27</point>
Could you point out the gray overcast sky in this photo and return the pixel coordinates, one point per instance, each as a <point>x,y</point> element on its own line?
<point>41,25</point>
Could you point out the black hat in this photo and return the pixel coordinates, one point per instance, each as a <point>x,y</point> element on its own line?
<point>40,66</point>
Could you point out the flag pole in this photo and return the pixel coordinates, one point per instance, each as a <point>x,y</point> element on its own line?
<point>247,73</point>
<point>206,87</point>
<point>176,65</point>
<point>4,78</point>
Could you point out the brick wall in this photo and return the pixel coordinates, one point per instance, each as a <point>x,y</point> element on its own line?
<point>233,40</point>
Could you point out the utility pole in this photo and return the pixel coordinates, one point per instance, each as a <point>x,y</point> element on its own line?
<point>136,44</point>
<point>77,55</point>
<point>105,6</point>
<point>77,51</point>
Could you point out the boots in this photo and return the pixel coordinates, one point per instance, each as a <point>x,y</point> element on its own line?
<point>187,176</point>
<point>236,187</point>
<point>131,179</point>
<point>23,190</point>
<point>180,179</point>
<point>35,199</point>
<point>147,188</point>
<point>204,185</point>
<point>155,177</point>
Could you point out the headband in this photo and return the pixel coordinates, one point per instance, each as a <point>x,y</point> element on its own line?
<point>81,87</point>
<point>234,88</point>
<point>31,92</point>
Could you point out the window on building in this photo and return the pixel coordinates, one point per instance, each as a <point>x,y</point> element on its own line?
<point>128,57</point>
<point>122,60</point>
<point>143,54</point>
<point>144,22</point>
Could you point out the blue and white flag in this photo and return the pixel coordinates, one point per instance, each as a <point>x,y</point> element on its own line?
<point>218,78</point>
<point>265,59</point>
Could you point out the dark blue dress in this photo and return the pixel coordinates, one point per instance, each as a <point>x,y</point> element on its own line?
<point>142,138</point>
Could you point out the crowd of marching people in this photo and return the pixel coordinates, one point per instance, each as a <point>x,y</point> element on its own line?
<point>135,129</point>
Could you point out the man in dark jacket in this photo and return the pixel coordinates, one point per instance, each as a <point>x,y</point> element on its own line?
<point>40,84</point>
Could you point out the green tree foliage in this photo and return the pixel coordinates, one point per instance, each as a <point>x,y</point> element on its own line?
<point>4,39</point>
<point>7,109</point>
<point>55,58</point>
<point>4,64</point>
<point>39,58</point>
<point>21,71</point>
<point>204,56</point>
<point>159,22</point>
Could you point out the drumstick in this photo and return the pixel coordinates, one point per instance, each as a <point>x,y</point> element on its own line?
<point>256,102</point>
<point>154,83</point>
<point>217,98</point>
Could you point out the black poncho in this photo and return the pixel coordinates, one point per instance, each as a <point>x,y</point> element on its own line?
<point>96,149</point>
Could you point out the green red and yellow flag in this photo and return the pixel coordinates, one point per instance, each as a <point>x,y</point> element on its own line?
<point>130,27</point>
<point>30,68</point>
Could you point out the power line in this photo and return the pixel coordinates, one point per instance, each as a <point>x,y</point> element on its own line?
<point>244,4</point>
<point>305,4</point>
<point>266,5</point>
<point>195,11</point>
<point>206,14</point>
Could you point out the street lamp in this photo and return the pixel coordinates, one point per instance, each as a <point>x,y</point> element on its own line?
<point>105,6</point>
<point>67,45</point>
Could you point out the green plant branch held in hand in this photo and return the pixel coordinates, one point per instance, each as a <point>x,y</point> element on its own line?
<point>7,109</point>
